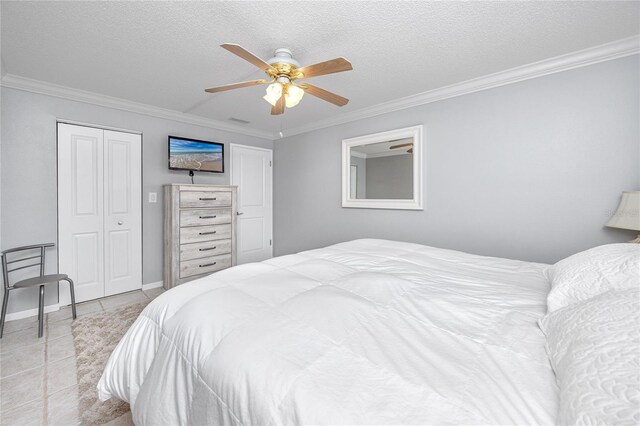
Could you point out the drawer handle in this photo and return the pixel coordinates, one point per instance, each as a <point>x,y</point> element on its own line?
<point>207,199</point>
<point>207,249</point>
<point>207,233</point>
<point>208,217</point>
<point>207,264</point>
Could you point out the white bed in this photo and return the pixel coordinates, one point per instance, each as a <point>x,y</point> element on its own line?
<point>363,332</point>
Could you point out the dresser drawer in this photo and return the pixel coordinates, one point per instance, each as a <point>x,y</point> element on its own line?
<point>206,265</point>
<point>204,217</point>
<point>194,234</point>
<point>205,249</point>
<point>204,198</point>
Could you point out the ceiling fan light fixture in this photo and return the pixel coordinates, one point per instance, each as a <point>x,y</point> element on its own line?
<point>293,95</point>
<point>282,70</point>
<point>274,92</point>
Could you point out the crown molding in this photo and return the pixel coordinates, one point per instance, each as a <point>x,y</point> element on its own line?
<point>605,52</point>
<point>49,89</point>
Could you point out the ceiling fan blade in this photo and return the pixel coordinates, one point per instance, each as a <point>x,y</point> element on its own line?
<point>235,86</point>
<point>236,49</point>
<point>325,95</point>
<point>278,108</point>
<point>327,67</point>
<point>401,145</point>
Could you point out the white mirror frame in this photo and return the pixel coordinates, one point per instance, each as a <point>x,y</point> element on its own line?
<point>414,132</point>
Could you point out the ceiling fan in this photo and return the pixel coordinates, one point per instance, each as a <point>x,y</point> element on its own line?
<point>402,145</point>
<point>283,71</point>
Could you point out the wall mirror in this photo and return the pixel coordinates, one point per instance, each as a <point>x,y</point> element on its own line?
<point>383,170</point>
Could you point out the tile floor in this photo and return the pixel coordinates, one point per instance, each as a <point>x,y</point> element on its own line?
<point>38,382</point>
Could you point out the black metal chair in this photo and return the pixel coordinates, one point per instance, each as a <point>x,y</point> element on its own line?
<point>24,258</point>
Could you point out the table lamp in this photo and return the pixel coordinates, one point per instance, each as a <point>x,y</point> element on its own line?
<point>627,216</point>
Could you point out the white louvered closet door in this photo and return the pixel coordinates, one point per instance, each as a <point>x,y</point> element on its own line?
<point>99,211</point>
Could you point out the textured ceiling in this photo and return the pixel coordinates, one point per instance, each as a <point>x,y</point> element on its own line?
<point>165,54</point>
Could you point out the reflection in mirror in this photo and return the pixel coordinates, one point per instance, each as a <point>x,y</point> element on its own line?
<point>354,181</point>
<point>382,170</point>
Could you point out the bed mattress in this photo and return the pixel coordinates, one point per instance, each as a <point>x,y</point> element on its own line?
<point>362,332</point>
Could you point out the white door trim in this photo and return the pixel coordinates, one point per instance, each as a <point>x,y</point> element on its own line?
<point>270,151</point>
<point>97,126</point>
<point>257,148</point>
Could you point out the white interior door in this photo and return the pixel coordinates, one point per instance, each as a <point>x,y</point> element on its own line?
<point>123,205</point>
<point>99,211</point>
<point>80,210</point>
<point>251,171</point>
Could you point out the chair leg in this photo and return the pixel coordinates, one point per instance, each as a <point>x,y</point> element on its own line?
<point>5,302</point>
<point>73,298</point>
<point>41,312</point>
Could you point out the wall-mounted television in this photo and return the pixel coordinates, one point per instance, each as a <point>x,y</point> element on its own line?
<point>195,155</point>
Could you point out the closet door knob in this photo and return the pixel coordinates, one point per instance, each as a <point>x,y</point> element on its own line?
<point>120,222</point>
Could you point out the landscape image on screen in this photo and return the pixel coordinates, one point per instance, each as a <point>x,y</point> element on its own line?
<point>197,156</point>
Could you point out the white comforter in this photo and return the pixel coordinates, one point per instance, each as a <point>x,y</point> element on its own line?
<point>368,331</point>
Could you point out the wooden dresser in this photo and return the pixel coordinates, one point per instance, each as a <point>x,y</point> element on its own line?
<point>199,231</point>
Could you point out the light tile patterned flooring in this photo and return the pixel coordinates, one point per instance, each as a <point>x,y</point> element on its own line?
<point>38,381</point>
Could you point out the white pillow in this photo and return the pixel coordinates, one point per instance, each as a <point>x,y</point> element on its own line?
<point>594,347</point>
<point>592,272</point>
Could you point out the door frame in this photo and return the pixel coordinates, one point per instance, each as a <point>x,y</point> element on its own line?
<point>270,151</point>
<point>101,127</point>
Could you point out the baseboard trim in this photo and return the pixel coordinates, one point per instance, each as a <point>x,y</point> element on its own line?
<point>149,286</point>
<point>31,312</point>
<point>52,308</point>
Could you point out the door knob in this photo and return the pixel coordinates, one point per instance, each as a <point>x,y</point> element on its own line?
<point>239,214</point>
<point>120,222</point>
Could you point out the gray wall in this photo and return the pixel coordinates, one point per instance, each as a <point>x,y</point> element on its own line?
<point>28,173</point>
<point>530,170</point>
<point>390,177</point>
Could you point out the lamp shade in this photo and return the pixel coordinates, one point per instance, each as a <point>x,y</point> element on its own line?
<point>293,95</point>
<point>628,214</point>
<point>274,92</point>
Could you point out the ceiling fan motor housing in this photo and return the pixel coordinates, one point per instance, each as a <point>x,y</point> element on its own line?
<point>285,56</point>
<point>283,65</point>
